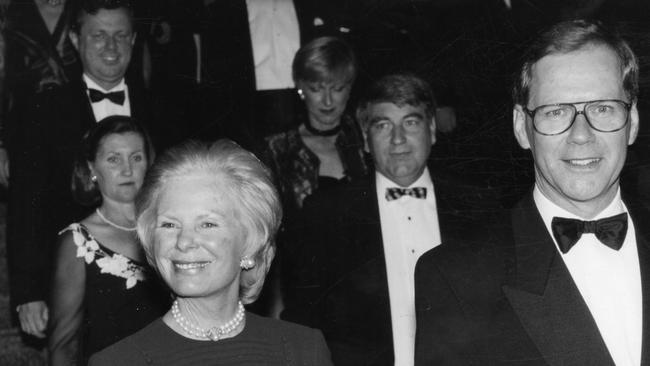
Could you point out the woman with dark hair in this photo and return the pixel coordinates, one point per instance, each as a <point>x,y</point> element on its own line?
<point>102,289</point>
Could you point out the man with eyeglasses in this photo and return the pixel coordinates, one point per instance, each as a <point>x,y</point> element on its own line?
<point>562,278</point>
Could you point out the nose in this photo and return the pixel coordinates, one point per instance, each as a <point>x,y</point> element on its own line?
<point>327,98</point>
<point>397,135</point>
<point>185,240</point>
<point>111,43</point>
<point>581,132</point>
<point>127,168</point>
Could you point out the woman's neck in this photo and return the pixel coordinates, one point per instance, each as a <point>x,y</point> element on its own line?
<point>118,212</point>
<point>207,313</point>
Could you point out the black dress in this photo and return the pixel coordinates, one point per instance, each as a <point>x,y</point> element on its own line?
<point>120,297</point>
<point>263,341</point>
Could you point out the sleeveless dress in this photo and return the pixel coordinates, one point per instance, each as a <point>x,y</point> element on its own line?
<point>121,296</point>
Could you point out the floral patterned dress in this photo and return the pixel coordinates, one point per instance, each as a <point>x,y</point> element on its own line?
<point>121,295</point>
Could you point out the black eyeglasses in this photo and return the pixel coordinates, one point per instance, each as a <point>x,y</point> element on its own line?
<point>607,115</point>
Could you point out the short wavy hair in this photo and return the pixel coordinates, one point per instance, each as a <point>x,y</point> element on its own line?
<point>84,190</point>
<point>325,59</point>
<point>248,182</point>
<point>570,36</point>
<point>400,89</point>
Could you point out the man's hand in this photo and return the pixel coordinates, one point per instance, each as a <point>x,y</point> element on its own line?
<point>33,318</point>
<point>4,167</point>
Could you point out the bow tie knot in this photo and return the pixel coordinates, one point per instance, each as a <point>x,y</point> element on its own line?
<point>396,192</point>
<point>609,231</point>
<point>116,97</point>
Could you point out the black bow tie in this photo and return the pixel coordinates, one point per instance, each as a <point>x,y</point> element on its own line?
<point>115,97</point>
<point>610,231</point>
<point>415,192</point>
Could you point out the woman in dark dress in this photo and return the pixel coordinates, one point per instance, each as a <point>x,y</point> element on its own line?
<point>207,218</point>
<point>103,291</point>
<point>327,146</point>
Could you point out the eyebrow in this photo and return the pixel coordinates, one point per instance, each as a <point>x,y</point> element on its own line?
<point>414,114</point>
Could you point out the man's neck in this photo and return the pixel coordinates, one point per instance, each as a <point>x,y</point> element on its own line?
<point>586,210</point>
<point>105,86</point>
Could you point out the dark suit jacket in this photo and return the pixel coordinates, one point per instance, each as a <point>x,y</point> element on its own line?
<point>507,298</point>
<point>49,132</point>
<point>339,284</point>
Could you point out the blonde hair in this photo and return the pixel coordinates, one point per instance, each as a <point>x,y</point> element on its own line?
<point>247,181</point>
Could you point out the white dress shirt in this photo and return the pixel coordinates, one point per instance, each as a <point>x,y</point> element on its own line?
<point>409,227</point>
<point>105,108</point>
<point>275,36</point>
<point>608,280</point>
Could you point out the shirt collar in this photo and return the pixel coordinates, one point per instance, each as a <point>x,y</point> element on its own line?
<point>423,181</point>
<point>547,209</point>
<point>91,84</point>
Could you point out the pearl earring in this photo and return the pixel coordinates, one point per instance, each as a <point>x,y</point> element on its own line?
<point>93,179</point>
<point>247,263</point>
<point>301,95</point>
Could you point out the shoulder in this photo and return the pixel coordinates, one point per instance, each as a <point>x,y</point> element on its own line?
<point>294,336</point>
<point>352,192</point>
<point>482,253</point>
<point>283,142</point>
<point>134,350</point>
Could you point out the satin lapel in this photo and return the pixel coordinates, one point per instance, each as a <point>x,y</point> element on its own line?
<point>447,216</point>
<point>641,216</point>
<point>86,110</point>
<point>545,298</point>
<point>366,226</point>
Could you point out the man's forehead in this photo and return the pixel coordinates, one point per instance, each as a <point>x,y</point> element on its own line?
<point>108,19</point>
<point>590,72</point>
<point>386,108</point>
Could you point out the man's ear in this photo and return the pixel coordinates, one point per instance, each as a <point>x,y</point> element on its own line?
<point>74,38</point>
<point>432,130</point>
<point>519,126</point>
<point>634,124</point>
<point>366,146</point>
<point>135,35</point>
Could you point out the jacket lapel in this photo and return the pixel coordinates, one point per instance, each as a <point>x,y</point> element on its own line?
<point>640,217</point>
<point>545,298</point>
<point>86,109</point>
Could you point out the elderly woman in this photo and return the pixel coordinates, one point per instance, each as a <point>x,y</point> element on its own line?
<point>327,146</point>
<point>102,289</point>
<point>207,217</point>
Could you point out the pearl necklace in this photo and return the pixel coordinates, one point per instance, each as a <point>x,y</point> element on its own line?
<point>215,333</point>
<point>114,224</point>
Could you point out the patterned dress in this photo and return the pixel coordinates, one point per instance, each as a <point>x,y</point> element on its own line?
<point>121,295</point>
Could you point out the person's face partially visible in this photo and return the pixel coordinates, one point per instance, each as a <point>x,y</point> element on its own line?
<point>578,169</point>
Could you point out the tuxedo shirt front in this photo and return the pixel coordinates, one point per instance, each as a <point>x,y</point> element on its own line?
<point>608,280</point>
<point>275,37</point>
<point>409,228</point>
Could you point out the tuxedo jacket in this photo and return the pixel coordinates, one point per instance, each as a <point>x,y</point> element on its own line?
<point>339,282</point>
<point>505,297</point>
<point>48,134</point>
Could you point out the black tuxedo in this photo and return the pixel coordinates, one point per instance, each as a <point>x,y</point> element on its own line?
<point>507,298</point>
<point>339,284</point>
<point>48,133</point>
